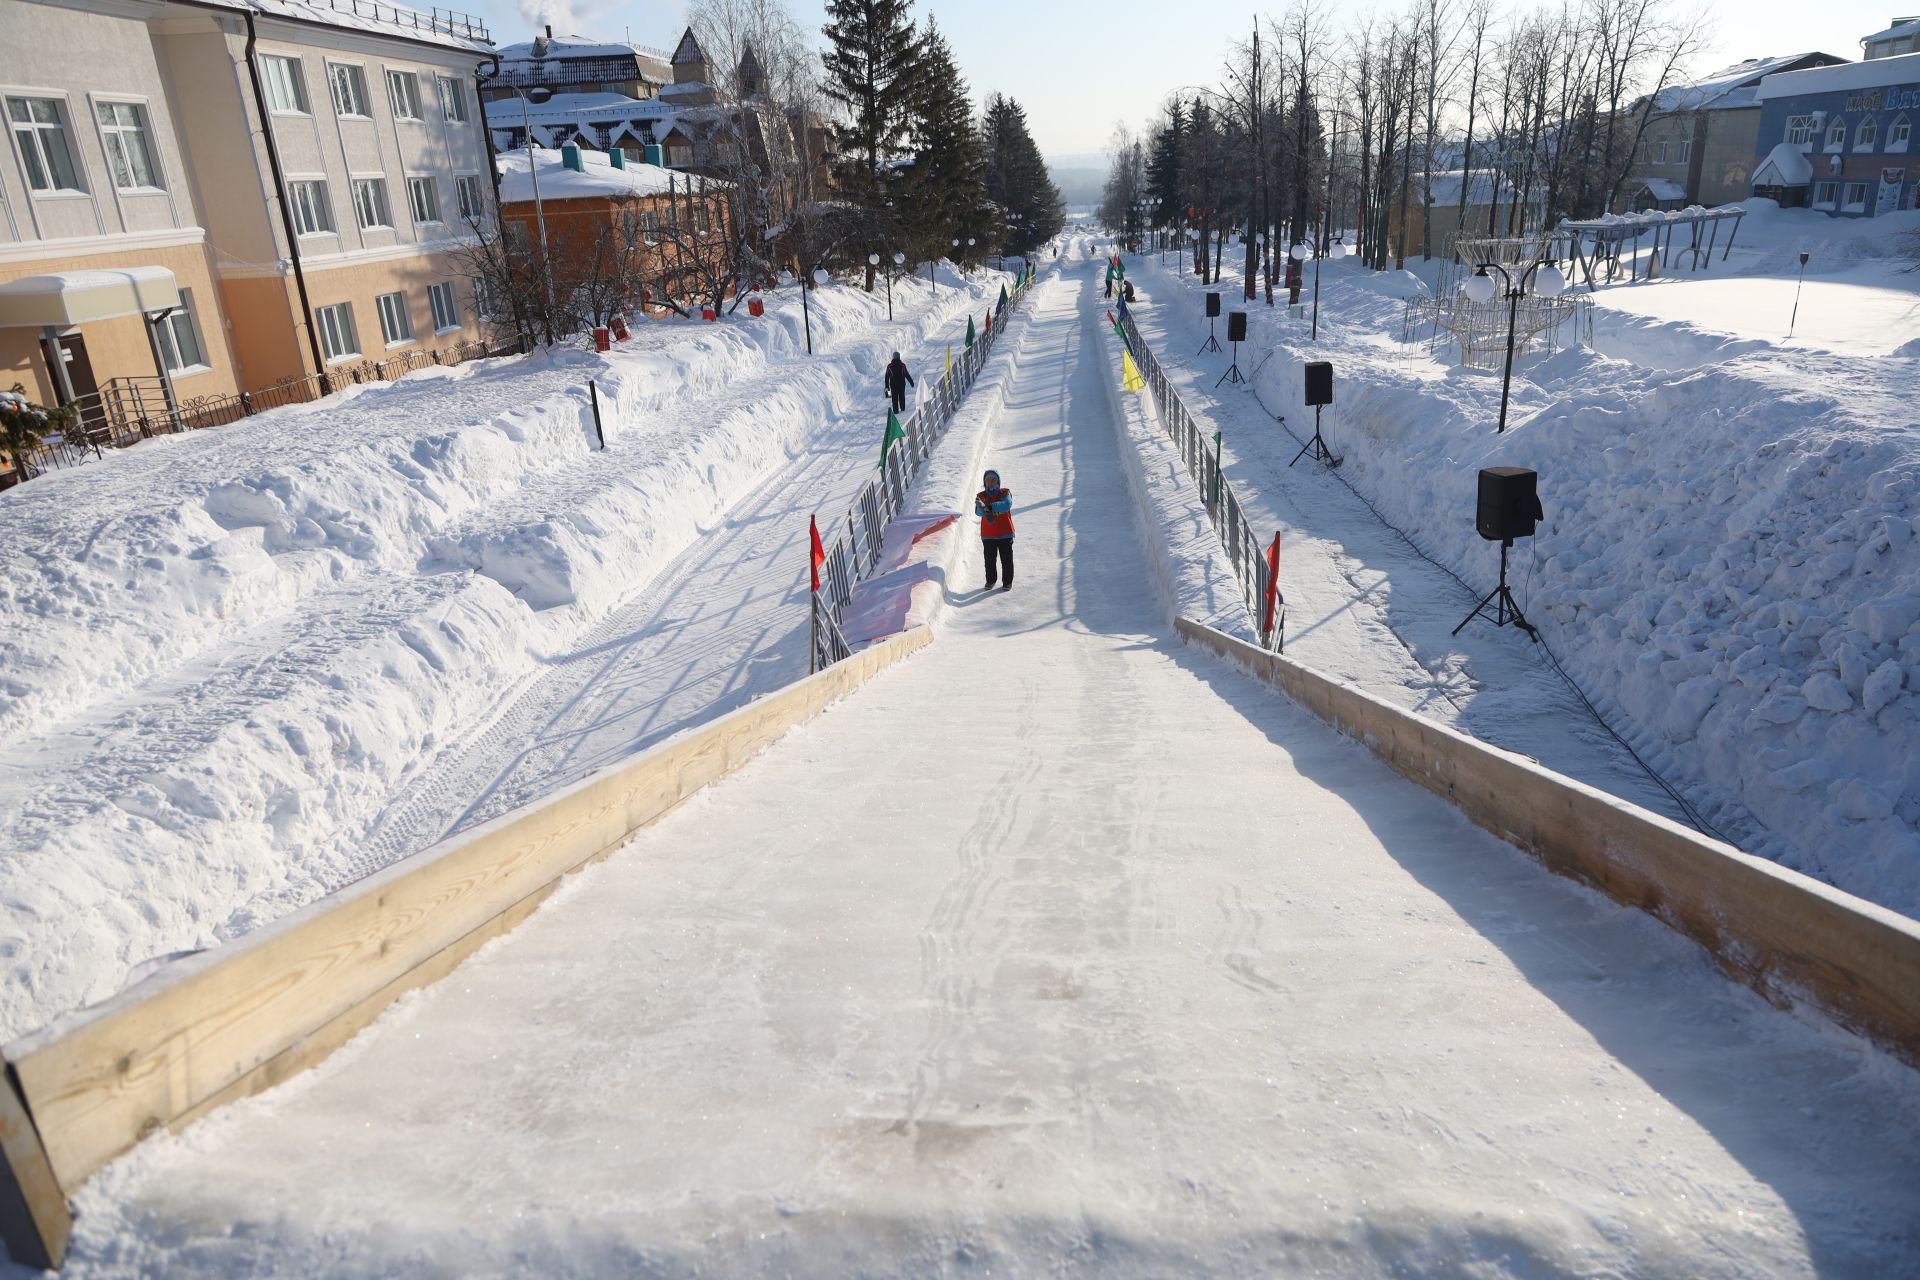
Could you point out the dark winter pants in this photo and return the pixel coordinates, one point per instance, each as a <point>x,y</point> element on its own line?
<point>899,398</point>
<point>998,551</point>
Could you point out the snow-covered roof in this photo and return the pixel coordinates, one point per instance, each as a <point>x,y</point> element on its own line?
<point>1901,27</point>
<point>1870,74</point>
<point>1663,188</point>
<point>598,177</point>
<point>1446,187</point>
<point>1729,87</point>
<point>377,17</point>
<point>1786,165</point>
<point>559,48</point>
<point>576,109</point>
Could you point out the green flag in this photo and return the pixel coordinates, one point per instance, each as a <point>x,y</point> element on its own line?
<point>969,330</point>
<point>1003,299</point>
<point>894,432</point>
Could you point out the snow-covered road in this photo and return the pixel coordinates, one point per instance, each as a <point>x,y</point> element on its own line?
<point>1059,949</point>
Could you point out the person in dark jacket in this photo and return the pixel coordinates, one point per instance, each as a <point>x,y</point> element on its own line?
<point>994,506</point>
<point>898,380</point>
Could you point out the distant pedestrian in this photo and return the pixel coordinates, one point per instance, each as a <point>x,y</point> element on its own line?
<point>1109,279</point>
<point>994,506</point>
<point>898,380</point>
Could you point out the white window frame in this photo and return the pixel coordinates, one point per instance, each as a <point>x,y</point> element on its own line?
<point>395,314</point>
<point>358,74</point>
<point>142,129</point>
<point>445,304</point>
<point>322,205</point>
<point>1660,152</point>
<point>21,130</point>
<point>1832,191</point>
<point>339,336</point>
<point>1866,133</point>
<point>1899,135</point>
<point>167,337</point>
<point>433,216</point>
<point>409,109</point>
<point>472,208</point>
<point>1837,134</point>
<point>361,212</point>
<point>1854,206</point>
<point>1683,151</point>
<point>1803,131</point>
<point>296,81</point>
<point>457,97</point>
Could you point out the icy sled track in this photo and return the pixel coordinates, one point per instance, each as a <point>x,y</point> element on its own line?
<point>1060,948</point>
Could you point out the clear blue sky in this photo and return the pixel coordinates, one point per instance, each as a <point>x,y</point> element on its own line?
<point>1078,67</point>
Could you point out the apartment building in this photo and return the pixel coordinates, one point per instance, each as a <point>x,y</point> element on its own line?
<point>223,194</point>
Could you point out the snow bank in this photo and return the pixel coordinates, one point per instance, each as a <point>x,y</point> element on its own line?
<point>223,652</point>
<point>1728,561</point>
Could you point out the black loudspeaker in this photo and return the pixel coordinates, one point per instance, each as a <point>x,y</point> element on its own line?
<point>1509,503</point>
<point>1213,305</point>
<point>1236,326</point>
<point>1319,382</point>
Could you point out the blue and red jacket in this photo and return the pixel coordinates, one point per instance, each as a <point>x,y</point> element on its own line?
<point>995,509</point>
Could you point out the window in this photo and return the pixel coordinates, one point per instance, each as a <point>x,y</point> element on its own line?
<point>1898,133</point>
<point>517,237</point>
<point>702,219</point>
<point>1837,135</point>
<point>1683,151</point>
<point>649,225</point>
<point>1660,152</point>
<point>312,210</point>
<point>396,326</point>
<point>349,89</point>
<point>423,198</point>
<point>466,188</point>
<point>286,88</point>
<point>403,91</point>
<point>484,301</point>
<point>41,132</point>
<point>1855,197</point>
<point>179,337</point>
<point>1824,194</point>
<point>123,126</point>
<point>1866,135</point>
<point>446,311</point>
<point>1802,129</point>
<point>337,337</point>
<point>453,98</point>
<point>370,203</point>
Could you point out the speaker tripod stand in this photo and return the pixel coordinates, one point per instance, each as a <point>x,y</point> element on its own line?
<point>1505,611</point>
<point>1233,373</point>
<point>1316,448</point>
<point>1212,343</point>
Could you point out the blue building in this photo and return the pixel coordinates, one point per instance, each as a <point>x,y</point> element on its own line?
<point>1842,139</point>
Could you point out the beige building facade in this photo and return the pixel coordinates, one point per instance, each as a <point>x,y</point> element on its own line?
<point>307,174</point>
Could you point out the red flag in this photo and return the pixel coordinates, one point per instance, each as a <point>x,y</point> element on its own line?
<point>819,552</point>
<point>1273,581</point>
<point>989,322</point>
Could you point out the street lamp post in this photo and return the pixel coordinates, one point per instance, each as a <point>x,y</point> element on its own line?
<point>899,259</point>
<point>539,210</point>
<point>819,276</point>
<point>873,260</point>
<point>1547,282</point>
<point>1804,255</point>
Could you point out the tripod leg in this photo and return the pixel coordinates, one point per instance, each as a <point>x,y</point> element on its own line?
<point>1477,609</point>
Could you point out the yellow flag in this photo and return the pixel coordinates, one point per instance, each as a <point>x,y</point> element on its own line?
<point>949,357</point>
<point>1130,379</point>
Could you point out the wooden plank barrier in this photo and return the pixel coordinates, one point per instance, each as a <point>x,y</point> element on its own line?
<point>229,1022</point>
<point>1787,936</point>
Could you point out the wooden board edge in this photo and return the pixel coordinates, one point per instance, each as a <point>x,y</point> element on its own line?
<point>34,1219</point>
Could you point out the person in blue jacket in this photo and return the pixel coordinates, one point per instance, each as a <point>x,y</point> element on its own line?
<point>994,506</point>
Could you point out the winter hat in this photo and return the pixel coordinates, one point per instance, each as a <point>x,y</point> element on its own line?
<point>992,479</point>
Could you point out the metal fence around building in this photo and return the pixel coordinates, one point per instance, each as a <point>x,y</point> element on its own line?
<point>854,545</point>
<point>1229,517</point>
<point>125,411</point>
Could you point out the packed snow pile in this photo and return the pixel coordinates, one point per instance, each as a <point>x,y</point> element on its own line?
<point>222,653</point>
<point>1728,563</point>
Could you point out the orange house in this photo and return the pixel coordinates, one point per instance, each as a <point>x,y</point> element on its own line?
<point>678,227</point>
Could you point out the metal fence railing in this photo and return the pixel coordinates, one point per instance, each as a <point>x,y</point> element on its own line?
<point>853,547</point>
<point>126,411</point>
<point>1244,551</point>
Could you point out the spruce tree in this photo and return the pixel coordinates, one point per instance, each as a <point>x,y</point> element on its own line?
<point>949,168</point>
<point>1017,178</point>
<point>873,70</point>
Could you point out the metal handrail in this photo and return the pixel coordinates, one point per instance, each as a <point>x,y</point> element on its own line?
<point>1224,508</point>
<point>853,547</point>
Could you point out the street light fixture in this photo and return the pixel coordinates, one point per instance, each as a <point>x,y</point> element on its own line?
<point>539,98</point>
<point>1547,282</point>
